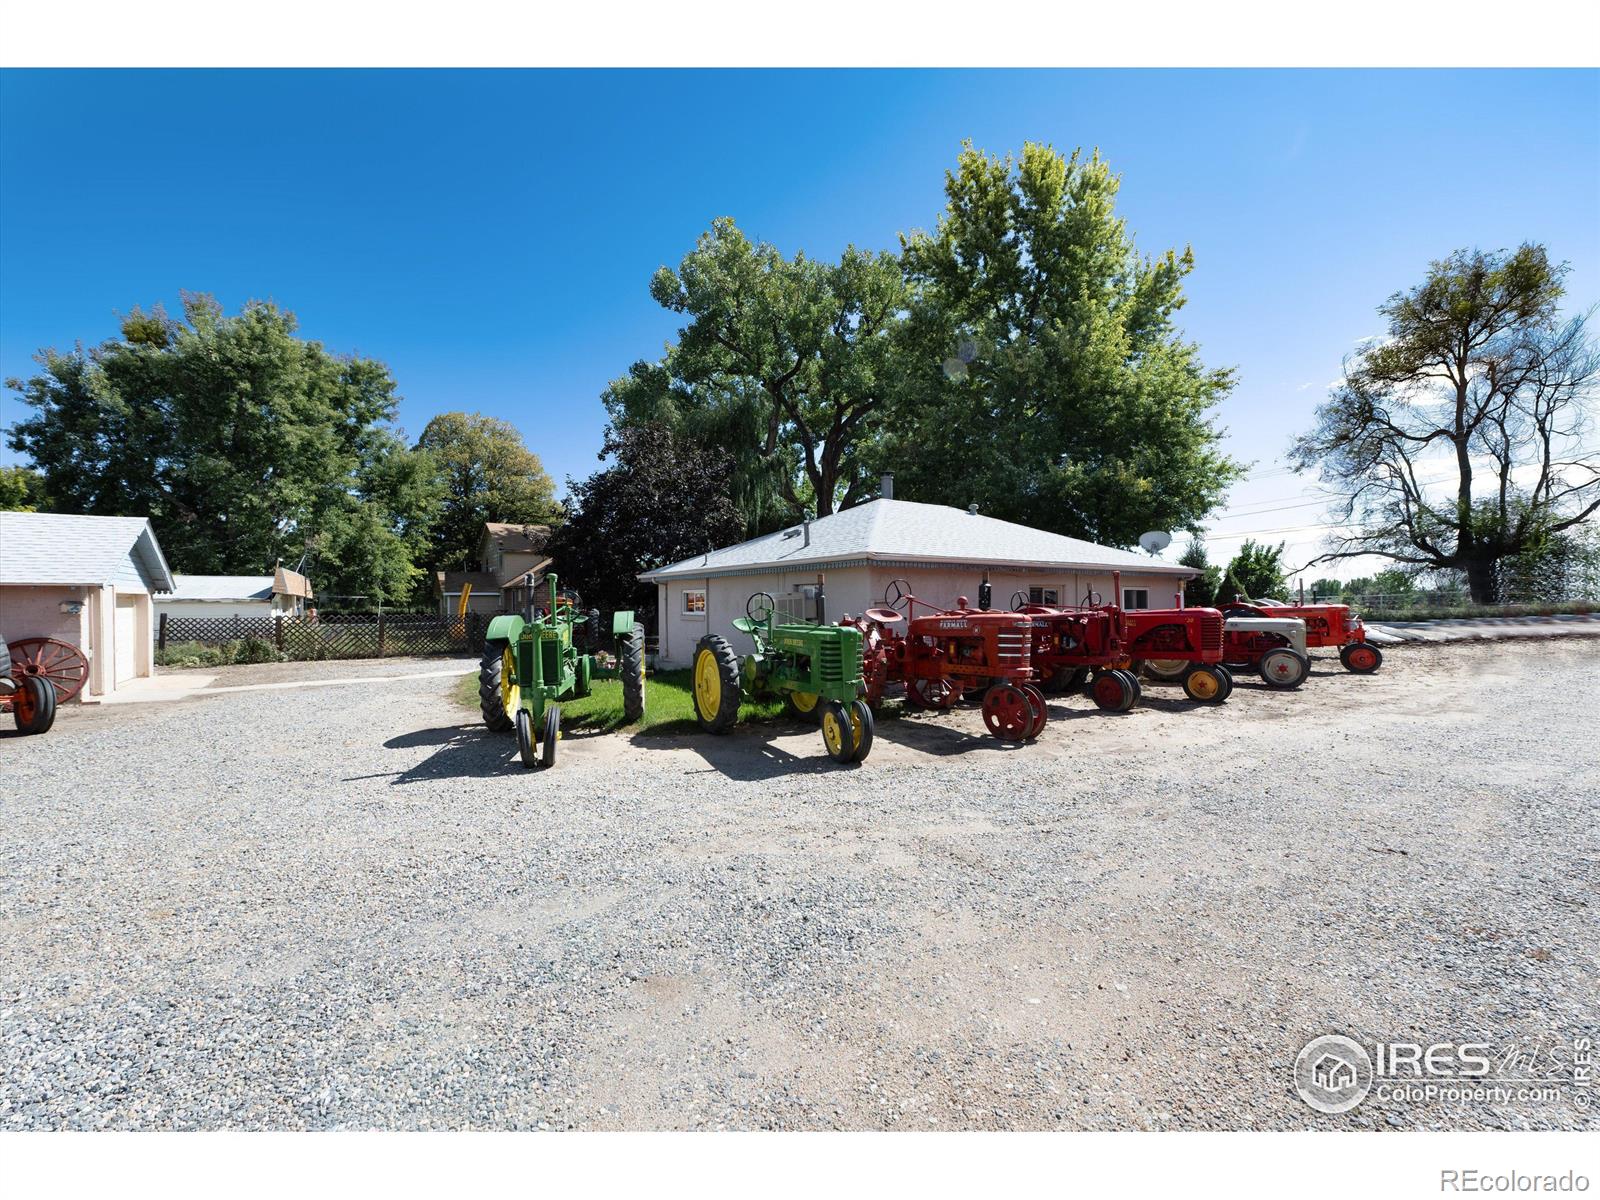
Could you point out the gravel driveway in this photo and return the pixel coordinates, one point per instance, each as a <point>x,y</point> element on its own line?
<point>346,907</point>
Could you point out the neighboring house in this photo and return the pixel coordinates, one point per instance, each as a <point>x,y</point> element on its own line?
<point>942,552</point>
<point>284,593</point>
<point>506,554</point>
<point>89,581</point>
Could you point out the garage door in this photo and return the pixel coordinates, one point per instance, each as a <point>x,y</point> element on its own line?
<point>127,637</point>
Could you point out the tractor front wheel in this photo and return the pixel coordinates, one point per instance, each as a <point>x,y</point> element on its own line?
<point>498,693</point>
<point>525,742</point>
<point>716,684</point>
<point>1007,713</point>
<point>33,704</point>
<point>631,660</point>
<point>552,735</point>
<point>1206,685</point>
<point>1040,713</point>
<point>846,731</point>
<point>1284,668</point>
<point>1361,658</point>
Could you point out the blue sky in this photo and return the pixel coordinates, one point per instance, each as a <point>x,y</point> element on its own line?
<point>490,235</point>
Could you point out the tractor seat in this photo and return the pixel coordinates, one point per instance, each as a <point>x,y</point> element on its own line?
<point>744,624</point>
<point>883,616</point>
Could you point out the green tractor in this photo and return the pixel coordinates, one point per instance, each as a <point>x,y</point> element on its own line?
<point>530,662</point>
<point>816,668</point>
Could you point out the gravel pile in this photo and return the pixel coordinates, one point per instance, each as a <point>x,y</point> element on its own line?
<point>348,907</point>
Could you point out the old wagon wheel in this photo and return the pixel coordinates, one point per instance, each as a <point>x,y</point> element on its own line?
<point>60,663</point>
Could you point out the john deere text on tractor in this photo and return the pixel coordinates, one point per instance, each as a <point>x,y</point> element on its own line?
<point>816,668</point>
<point>530,662</point>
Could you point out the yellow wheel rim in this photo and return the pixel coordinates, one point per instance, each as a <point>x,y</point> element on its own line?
<point>855,728</point>
<point>707,684</point>
<point>804,701</point>
<point>1204,684</point>
<point>832,732</point>
<point>510,692</point>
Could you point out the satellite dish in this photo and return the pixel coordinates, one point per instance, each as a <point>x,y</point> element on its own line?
<point>1155,541</point>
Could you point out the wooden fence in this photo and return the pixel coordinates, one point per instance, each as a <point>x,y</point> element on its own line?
<point>378,635</point>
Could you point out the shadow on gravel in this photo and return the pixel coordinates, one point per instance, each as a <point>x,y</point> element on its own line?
<point>747,756</point>
<point>461,752</point>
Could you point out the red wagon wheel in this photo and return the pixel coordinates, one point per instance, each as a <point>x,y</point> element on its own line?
<point>60,663</point>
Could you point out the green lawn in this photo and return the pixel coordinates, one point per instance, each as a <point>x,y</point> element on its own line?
<point>668,705</point>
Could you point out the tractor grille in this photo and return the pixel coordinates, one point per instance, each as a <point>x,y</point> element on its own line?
<point>830,662</point>
<point>1211,631</point>
<point>1014,647</point>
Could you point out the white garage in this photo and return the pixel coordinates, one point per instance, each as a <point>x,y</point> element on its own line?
<point>88,581</point>
<point>944,553</point>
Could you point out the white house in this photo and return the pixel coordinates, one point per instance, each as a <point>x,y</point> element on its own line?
<point>284,593</point>
<point>84,580</point>
<point>942,552</point>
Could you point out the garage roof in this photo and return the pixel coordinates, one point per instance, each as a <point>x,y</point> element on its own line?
<point>904,531</point>
<point>47,548</point>
<point>222,587</point>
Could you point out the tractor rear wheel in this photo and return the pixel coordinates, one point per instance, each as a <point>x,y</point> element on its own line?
<point>1063,680</point>
<point>525,743</point>
<point>1040,713</point>
<point>803,706</point>
<point>716,684</point>
<point>552,735</point>
<point>927,693</point>
<point>1282,667</point>
<point>33,704</point>
<point>631,660</point>
<point>498,693</point>
<point>1007,713</point>
<point>846,732</point>
<point>1361,658</point>
<point>1166,670</point>
<point>1206,685</point>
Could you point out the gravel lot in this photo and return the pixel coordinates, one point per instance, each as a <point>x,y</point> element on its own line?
<point>346,907</point>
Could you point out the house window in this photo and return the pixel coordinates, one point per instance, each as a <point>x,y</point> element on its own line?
<point>1042,595</point>
<point>694,602</point>
<point>793,607</point>
<point>1135,597</point>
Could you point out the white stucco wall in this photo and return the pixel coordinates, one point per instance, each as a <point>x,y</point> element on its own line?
<point>852,590</point>
<point>213,610</point>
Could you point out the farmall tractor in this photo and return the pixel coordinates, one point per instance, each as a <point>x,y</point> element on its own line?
<point>1186,641</point>
<point>945,654</point>
<point>1070,644</point>
<point>1326,625</point>
<point>530,663</point>
<point>815,667</point>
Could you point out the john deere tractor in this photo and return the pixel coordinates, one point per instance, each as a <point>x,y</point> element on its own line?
<point>530,662</point>
<point>816,668</point>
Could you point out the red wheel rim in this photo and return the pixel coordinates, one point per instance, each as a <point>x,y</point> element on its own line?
<point>22,706</point>
<point>1361,658</point>
<point>1040,713</point>
<point>1007,713</point>
<point>1108,691</point>
<point>60,663</point>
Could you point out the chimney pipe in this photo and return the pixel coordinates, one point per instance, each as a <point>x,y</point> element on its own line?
<point>886,486</point>
<point>972,509</point>
<point>806,525</point>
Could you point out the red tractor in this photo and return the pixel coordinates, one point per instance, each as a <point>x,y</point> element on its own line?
<point>1179,636</point>
<point>1326,625</point>
<point>1069,643</point>
<point>944,654</point>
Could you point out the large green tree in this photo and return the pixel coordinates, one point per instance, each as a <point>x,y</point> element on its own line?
<point>1256,572</point>
<point>1455,442</point>
<point>1042,374</point>
<point>787,361</point>
<point>21,489</point>
<point>241,441</point>
<point>662,500</point>
<point>487,473</point>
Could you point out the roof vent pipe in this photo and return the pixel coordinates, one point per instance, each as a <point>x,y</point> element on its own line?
<point>806,526</point>
<point>886,486</point>
<point>972,509</point>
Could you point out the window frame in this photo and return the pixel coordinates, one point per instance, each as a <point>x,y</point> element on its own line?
<point>1040,594</point>
<point>1140,591</point>
<point>686,610</point>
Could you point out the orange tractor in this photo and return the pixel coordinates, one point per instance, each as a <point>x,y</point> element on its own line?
<point>941,655</point>
<point>1327,625</point>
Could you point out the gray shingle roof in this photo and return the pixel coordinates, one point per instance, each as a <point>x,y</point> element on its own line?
<point>68,548</point>
<point>905,531</point>
<point>222,587</point>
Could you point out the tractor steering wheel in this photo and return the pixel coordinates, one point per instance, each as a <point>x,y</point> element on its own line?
<point>760,613</point>
<point>897,593</point>
<point>1019,601</point>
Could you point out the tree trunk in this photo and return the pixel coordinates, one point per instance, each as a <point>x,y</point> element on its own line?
<point>1482,581</point>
